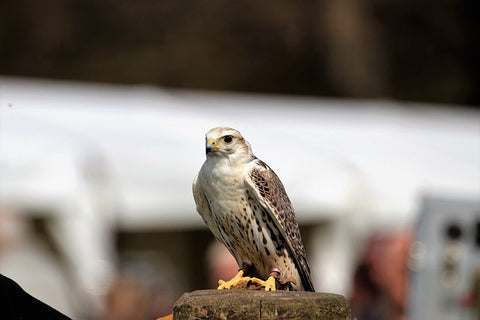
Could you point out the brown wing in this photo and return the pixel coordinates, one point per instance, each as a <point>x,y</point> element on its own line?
<point>272,195</point>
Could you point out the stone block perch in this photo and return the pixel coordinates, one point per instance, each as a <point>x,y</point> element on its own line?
<point>260,305</point>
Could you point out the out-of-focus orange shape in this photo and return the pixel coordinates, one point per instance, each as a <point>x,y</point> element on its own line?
<point>169,317</point>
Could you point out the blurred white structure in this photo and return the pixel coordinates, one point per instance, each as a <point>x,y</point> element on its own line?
<point>94,155</point>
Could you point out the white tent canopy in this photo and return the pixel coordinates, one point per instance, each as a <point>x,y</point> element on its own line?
<point>332,155</point>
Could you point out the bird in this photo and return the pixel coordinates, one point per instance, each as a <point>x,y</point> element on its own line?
<point>246,207</point>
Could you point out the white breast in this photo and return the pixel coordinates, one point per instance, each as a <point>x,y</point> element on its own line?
<point>225,188</point>
<point>220,180</point>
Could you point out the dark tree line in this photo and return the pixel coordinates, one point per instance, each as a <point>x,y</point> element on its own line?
<point>411,50</point>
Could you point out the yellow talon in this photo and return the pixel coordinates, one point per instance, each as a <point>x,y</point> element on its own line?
<point>238,280</point>
<point>269,284</point>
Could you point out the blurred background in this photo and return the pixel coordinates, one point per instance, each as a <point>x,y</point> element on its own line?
<point>367,110</point>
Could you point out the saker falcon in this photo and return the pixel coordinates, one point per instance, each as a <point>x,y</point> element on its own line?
<point>245,206</point>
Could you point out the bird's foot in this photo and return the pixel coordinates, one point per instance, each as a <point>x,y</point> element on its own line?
<point>273,283</point>
<point>239,281</point>
<point>270,284</point>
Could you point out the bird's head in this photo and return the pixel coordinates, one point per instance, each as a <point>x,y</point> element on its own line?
<point>226,142</point>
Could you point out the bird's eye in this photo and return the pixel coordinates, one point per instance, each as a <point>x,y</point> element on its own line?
<point>227,139</point>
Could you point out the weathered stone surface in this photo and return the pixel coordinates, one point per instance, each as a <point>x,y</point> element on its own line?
<point>250,305</point>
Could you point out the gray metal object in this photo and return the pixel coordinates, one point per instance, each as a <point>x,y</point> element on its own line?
<point>444,258</point>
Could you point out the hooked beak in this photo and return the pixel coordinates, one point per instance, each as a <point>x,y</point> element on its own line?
<point>211,146</point>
